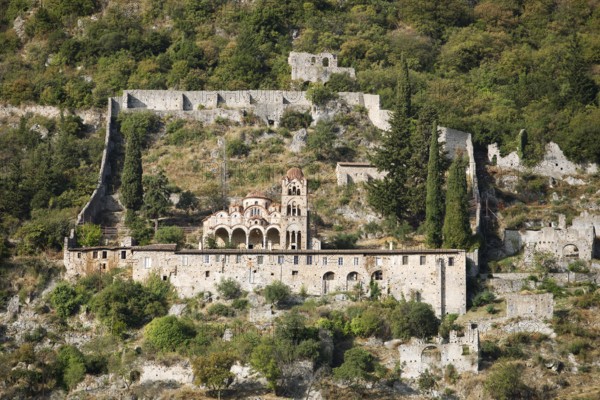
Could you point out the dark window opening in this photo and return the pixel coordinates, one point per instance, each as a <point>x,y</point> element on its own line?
<point>294,273</point>
<point>104,254</point>
<point>123,255</point>
<point>164,277</point>
<point>450,261</point>
<point>422,260</point>
<point>207,274</point>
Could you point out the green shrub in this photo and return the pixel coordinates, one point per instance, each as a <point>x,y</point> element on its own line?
<point>65,300</point>
<point>579,266</point>
<point>220,309</point>
<point>358,366</point>
<point>229,289</point>
<point>320,94</point>
<point>414,319</point>
<point>368,323</point>
<point>240,304</point>
<point>170,234</point>
<point>294,120</point>
<point>71,364</point>
<point>483,298</point>
<point>237,148</point>
<point>168,333</point>
<point>89,235</point>
<point>277,292</point>
<point>504,382</point>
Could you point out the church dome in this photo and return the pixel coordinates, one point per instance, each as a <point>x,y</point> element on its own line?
<point>295,173</point>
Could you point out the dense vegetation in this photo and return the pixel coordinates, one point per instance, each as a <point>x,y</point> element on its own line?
<point>488,67</point>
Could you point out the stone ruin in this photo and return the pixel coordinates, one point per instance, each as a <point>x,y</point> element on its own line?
<point>554,164</point>
<point>566,244</point>
<point>462,352</point>
<point>316,67</point>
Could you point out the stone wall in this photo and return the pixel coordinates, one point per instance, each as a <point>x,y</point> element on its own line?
<point>462,352</point>
<point>96,202</point>
<point>502,283</point>
<point>356,172</point>
<point>530,305</point>
<point>436,277</point>
<point>554,164</point>
<point>309,67</point>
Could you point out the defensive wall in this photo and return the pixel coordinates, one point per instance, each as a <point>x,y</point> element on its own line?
<point>436,277</point>
<point>554,164</point>
<point>514,282</point>
<point>462,352</point>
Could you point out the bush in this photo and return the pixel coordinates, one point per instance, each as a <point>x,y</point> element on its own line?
<point>168,333</point>
<point>320,94</point>
<point>220,309</point>
<point>277,292</point>
<point>483,298</point>
<point>504,382</point>
<point>237,148</point>
<point>229,289</point>
<point>579,266</point>
<point>239,304</point>
<point>358,365</point>
<point>367,324</point>
<point>89,235</point>
<point>294,120</point>
<point>170,234</point>
<point>65,300</point>
<point>414,319</point>
<point>71,365</point>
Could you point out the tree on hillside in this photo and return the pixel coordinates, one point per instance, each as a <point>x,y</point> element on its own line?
<point>132,190</point>
<point>156,197</point>
<point>188,202</point>
<point>387,195</point>
<point>214,371</point>
<point>457,229</point>
<point>434,204</point>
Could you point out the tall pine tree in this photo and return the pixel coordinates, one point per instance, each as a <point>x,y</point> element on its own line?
<point>388,196</point>
<point>434,204</point>
<point>132,191</point>
<point>457,229</point>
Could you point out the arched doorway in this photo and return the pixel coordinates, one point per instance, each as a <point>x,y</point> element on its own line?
<point>570,251</point>
<point>273,237</point>
<point>221,237</point>
<point>431,356</point>
<point>255,239</point>
<point>238,238</point>
<point>328,282</point>
<point>377,275</point>
<point>351,280</point>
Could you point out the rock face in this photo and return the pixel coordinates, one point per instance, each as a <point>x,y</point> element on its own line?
<point>181,373</point>
<point>298,140</point>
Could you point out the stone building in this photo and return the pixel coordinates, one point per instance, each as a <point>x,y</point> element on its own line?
<point>462,351</point>
<point>356,172</point>
<point>259,223</point>
<point>315,67</point>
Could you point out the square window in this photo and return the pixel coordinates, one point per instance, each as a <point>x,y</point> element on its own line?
<point>355,261</point>
<point>123,254</point>
<point>238,258</point>
<point>378,261</point>
<point>422,260</point>
<point>279,259</point>
<point>308,260</point>
<point>259,259</point>
<point>295,260</point>
<point>104,254</point>
<point>218,258</point>
<point>450,261</point>
<point>340,260</point>
<point>164,277</point>
<point>207,274</point>
<point>184,260</point>
<point>324,260</point>
<point>294,273</point>
<point>404,260</point>
<point>103,265</point>
<point>147,262</point>
<point>206,259</point>
<point>79,255</point>
<point>95,254</point>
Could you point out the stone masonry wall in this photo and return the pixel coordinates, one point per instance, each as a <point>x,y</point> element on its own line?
<point>315,67</point>
<point>434,277</point>
<point>348,172</point>
<point>530,305</point>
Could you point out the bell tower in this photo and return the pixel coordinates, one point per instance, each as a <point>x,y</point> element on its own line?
<point>294,210</point>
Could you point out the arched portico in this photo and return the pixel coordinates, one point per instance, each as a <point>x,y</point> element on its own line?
<point>351,280</point>
<point>328,279</point>
<point>256,238</point>
<point>238,237</point>
<point>273,237</point>
<point>221,236</point>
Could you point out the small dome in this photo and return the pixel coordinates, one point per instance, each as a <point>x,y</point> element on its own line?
<point>256,194</point>
<point>295,173</point>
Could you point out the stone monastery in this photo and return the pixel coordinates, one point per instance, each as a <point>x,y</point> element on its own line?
<point>259,241</point>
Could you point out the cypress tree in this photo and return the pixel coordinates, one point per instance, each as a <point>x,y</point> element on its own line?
<point>132,191</point>
<point>434,204</point>
<point>388,196</point>
<point>457,229</point>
